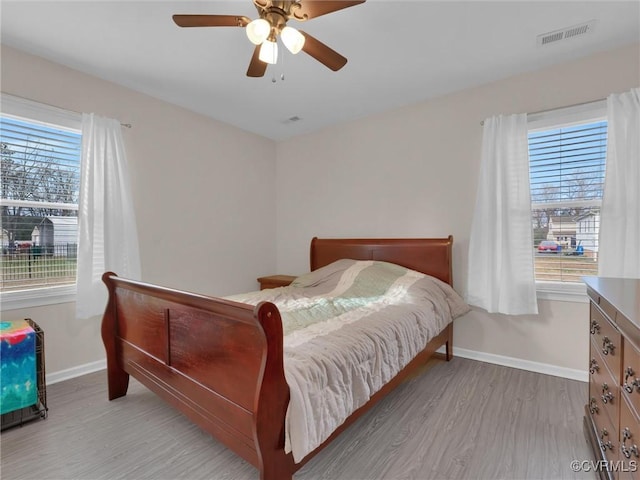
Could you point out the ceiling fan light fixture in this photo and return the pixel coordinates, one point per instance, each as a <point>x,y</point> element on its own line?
<point>271,23</point>
<point>258,31</point>
<point>292,39</point>
<point>269,52</point>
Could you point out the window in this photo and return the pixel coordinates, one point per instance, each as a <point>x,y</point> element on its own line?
<point>567,153</point>
<point>40,178</point>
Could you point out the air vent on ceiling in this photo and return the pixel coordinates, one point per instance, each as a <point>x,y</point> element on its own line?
<point>566,33</point>
<point>293,119</point>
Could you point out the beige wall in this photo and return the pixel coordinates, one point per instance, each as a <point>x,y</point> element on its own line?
<point>413,172</point>
<point>209,196</point>
<point>204,195</point>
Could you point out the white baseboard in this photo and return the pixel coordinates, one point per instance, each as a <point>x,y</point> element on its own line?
<point>78,371</point>
<point>545,368</point>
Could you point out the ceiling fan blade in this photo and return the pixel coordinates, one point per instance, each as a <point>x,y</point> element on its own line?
<point>211,20</point>
<point>256,67</point>
<point>322,53</point>
<point>315,8</point>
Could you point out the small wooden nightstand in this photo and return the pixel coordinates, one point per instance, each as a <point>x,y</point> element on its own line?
<point>275,281</point>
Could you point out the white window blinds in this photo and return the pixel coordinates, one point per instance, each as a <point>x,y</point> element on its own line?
<point>567,167</point>
<point>39,201</point>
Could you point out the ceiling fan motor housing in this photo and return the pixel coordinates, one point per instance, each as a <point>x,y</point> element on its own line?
<point>277,21</point>
<point>285,8</point>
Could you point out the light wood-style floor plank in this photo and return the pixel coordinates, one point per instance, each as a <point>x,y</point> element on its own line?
<point>455,420</point>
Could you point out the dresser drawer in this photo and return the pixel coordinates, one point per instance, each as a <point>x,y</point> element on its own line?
<point>607,340</point>
<point>603,387</point>
<point>608,437</point>
<point>629,442</point>
<point>608,309</point>
<point>631,375</point>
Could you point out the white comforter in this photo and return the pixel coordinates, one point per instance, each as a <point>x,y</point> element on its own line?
<point>349,328</point>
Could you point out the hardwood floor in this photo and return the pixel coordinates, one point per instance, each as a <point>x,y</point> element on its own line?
<point>455,420</point>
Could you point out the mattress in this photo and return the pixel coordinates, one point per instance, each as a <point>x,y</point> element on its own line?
<point>349,328</point>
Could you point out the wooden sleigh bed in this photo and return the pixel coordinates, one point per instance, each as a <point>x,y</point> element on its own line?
<point>220,362</point>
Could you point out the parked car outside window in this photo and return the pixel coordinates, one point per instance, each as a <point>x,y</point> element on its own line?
<point>549,246</point>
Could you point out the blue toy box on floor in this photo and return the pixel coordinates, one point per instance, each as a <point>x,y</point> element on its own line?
<point>22,373</point>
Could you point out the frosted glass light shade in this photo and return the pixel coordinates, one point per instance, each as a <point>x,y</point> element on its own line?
<point>292,39</point>
<point>268,52</point>
<point>258,31</point>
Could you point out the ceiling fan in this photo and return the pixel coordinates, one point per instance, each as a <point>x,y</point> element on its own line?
<point>264,31</point>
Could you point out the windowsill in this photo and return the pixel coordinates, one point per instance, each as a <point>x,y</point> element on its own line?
<point>37,297</point>
<point>562,292</point>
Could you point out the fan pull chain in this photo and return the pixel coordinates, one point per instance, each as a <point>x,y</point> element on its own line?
<point>281,63</point>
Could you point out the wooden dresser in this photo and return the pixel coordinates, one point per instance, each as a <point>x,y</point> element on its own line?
<point>612,420</point>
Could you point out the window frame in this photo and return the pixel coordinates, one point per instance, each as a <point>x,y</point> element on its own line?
<point>547,120</point>
<point>36,112</point>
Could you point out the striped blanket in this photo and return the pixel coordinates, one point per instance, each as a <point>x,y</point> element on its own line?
<point>349,328</point>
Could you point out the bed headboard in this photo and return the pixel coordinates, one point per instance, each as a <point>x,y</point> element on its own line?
<point>427,255</point>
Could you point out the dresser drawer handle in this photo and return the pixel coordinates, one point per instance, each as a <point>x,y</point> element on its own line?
<point>594,367</point>
<point>607,346</point>
<point>593,406</point>
<point>627,452</point>
<point>607,396</point>
<point>628,386</point>
<point>595,327</point>
<point>604,445</point>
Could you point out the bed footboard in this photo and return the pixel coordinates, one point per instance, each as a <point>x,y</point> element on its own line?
<point>216,361</point>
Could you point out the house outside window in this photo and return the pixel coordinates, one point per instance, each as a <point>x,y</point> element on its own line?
<point>567,156</point>
<point>40,178</point>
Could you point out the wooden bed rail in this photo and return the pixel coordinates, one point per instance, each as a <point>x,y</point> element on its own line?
<point>219,362</point>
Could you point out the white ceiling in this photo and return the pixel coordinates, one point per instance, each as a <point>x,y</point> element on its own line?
<point>400,52</point>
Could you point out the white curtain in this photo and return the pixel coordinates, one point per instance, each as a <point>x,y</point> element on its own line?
<point>108,239</point>
<point>501,275</point>
<point>619,244</point>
